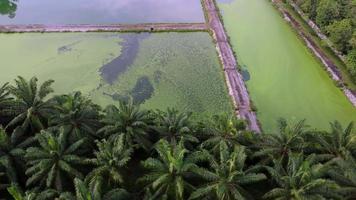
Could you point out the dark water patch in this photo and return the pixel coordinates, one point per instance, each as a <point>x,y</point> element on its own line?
<point>66,48</point>
<point>245,73</point>
<point>130,46</point>
<point>142,91</point>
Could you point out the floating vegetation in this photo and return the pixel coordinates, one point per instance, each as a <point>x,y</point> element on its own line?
<point>286,80</point>
<point>130,46</point>
<point>172,69</point>
<point>158,70</point>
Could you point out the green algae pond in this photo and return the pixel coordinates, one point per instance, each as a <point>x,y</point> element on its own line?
<point>99,11</point>
<point>159,70</point>
<point>284,79</point>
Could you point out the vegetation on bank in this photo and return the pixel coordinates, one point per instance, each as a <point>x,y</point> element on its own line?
<point>337,19</point>
<point>66,147</point>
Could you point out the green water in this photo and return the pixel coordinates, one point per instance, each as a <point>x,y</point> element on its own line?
<point>179,69</point>
<point>286,80</point>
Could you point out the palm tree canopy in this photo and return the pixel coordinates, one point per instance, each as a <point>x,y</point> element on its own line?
<point>174,126</point>
<point>12,151</point>
<point>112,157</point>
<point>52,159</point>
<point>5,101</point>
<point>343,171</point>
<point>289,139</point>
<point>228,175</point>
<point>30,105</point>
<point>36,194</point>
<point>128,120</point>
<point>225,128</point>
<point>83,192</point>
<point>302,179</point>
<point>170,173</point>
<point>77,114</point>
<point>336,143</point>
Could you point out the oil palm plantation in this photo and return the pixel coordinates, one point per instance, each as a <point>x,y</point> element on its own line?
<point>228,175</point>
<point>302,179</point>
<point>5,102</point>
<point>84,192</point>
<point>344,173</point>
<point>280,145</point>
<point>225,128</point>
<point>174,126</point>
<point>170,173</point>
<point>12,151</point>
<point>3,183</point>
<point>77,115</point>
<point>53,161</point>
<point>127,120</point>
<point>336,143</point>
<point>48,194</point>
<point>30,105</point>
<point>111,159</point>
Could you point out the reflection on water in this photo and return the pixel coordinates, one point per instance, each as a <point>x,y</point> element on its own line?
<point>8,8</point>
<point>99,11</point>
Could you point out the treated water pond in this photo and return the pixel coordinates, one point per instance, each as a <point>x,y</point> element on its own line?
<point>285,80</point>
<point>99,11</point>
<point>160,70</point>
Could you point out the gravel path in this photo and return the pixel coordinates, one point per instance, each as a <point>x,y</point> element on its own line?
<point>235,83</point>
<point>156,27</point>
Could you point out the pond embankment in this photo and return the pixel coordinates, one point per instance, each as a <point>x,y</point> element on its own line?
<point>330,67</point>
<point>147,27</point>
<point>235,83</point>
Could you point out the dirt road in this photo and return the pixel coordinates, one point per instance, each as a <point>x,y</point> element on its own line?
<point>156,27</point>
<point>235,83</point>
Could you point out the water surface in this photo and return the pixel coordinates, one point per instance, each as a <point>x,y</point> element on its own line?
<point>99,11</point>
<point>285,79</point>
<point>158,70</point>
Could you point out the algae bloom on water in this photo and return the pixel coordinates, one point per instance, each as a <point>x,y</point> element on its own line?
<point>285,79</point>
<point>162,70</point>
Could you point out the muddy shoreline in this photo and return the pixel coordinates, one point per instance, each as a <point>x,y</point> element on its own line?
<point>327,63</point>
<point>148,27</point>
<point>236,85</point>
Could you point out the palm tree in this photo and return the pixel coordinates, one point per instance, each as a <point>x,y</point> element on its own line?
<point>83,192</point>
<point>226,128</point>
<point>30,105</point>
<point>12,151</point>
<point>287,140</point>
<point>170,173</point>
<point>3,184</point>
<point>129,121</point>
<point>343,171</point>
<point>110,160</point>
<point>228,175</point>
<point>334,144</point>
<point>5,101</point>
<point>301,179</point>
<point>35,194</point>
<point>77,115</point>
<point>174,126</point>
<point>52,160</point>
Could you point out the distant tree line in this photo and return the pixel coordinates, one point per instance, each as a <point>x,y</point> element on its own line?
<point>337,19</point>
<point>66,147</point>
